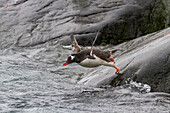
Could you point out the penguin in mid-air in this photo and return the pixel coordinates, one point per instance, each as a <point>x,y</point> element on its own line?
<point>91,57</point>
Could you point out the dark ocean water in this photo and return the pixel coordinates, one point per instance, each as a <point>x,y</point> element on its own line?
<point>34,80</point>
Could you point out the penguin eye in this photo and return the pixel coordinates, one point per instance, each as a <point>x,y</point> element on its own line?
<point>69,59</point>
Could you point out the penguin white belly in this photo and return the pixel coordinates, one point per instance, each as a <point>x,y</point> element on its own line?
<point>90,63</point>
<point>93,62</point>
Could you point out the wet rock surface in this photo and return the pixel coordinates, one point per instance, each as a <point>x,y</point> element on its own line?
<point>145,60</point>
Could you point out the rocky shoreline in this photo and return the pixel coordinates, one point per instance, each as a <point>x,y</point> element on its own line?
<point>31,23</point>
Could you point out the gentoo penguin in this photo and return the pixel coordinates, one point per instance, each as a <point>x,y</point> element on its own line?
<point>91,57</point>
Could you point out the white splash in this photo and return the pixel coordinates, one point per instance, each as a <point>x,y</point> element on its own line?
<point>134,86</point>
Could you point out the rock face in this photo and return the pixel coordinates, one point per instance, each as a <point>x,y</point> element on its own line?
<point>146,60</point>
<point>167,4</point>
<point>135,21</point>
<point>29,22</point>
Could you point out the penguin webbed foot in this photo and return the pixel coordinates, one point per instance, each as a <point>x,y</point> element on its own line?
<point>118,73</point>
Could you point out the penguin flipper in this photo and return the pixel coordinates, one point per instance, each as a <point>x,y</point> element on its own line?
<point>91,57</point>
<point>75,44</point>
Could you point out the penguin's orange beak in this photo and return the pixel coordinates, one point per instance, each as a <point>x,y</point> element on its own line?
<point>66,63</point>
